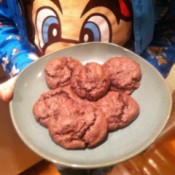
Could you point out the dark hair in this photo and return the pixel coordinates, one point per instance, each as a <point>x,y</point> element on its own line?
<point>114,6</point>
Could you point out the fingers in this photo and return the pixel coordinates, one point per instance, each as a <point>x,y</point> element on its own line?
<point>6,89</point>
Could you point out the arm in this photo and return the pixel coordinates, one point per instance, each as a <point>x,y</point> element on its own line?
<point>15,50</point>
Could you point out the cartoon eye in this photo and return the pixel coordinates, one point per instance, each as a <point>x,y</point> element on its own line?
<point>96,28</point>
<point>48,26</point>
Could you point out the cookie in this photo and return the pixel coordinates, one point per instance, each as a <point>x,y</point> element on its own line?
<point>52,103</point>
<point>120,109</point>
<point>58,71</point>
<point>125,74</point>
<point>130,111</point>
<point>91,81</point>
<point>81,127</point>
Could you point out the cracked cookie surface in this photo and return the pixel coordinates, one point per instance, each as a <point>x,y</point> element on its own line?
<point>125,74</point>
<point>58,71</point>
<point>91,81</point>
<point>120,109</point>
<point>80,127</point>
<point>50,103</point>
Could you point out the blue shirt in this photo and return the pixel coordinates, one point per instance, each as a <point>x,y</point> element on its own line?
<point>143,24</point>
<point>16,52</point>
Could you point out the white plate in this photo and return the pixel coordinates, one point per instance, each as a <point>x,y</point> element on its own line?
<point>153,97</point>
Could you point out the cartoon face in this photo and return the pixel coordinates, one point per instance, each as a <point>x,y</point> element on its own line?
<point>59,23</point>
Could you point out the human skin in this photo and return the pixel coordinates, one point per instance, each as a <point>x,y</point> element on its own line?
<point>6,89</point>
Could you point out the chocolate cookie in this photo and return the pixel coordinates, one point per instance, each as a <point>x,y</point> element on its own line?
<point>81,127</point>
<point>52,103</point>
<point>130,112</point>
<point>120,109</point>
<point>58,71</point>
<point>91,81</point>
<point>125,74</point>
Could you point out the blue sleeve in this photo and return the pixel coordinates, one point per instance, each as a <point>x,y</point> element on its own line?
<point>15,50</point>
<point>143,23</point>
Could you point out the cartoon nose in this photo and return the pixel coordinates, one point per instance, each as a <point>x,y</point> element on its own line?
<point>58,46</point>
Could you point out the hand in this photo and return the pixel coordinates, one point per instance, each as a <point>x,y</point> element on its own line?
<point>6,89</point>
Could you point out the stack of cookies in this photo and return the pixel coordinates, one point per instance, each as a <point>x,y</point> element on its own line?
<point>86,102</point>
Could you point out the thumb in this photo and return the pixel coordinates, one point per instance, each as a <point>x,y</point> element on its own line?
<point>6,89</point>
